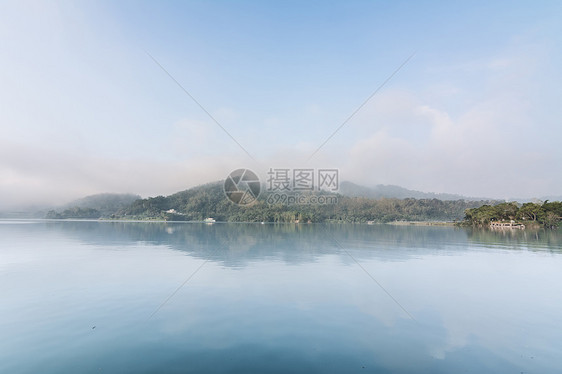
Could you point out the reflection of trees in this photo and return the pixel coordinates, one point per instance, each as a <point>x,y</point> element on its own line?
<point>236,244</point>
<point>539,239</point>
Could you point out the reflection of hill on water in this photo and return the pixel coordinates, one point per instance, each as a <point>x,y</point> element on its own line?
<point>235,244</point>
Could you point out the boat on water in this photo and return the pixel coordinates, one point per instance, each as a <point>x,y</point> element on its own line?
<point>209,220</point>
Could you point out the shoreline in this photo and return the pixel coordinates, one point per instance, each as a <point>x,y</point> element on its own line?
<point>423,223</point>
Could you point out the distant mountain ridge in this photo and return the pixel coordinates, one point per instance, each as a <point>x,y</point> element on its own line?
<point>104,201</point>
<point>535,199</point>
<point>390,191</point>
<point>208,200</point>
<point>395,192</point>
<point>94,206</point>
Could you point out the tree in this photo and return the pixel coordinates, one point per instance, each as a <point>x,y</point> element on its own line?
<point>530,211</point>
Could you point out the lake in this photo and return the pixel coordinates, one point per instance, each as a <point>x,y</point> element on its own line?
<point>148,297</point>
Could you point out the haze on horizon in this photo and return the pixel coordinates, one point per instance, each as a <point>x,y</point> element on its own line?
<point>83,108</point>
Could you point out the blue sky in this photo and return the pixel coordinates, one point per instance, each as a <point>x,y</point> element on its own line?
<point>83,108</point>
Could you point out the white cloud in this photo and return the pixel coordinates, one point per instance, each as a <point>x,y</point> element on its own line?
<point>83,111</point>
<point>37,176</point>
<point>486,147</point>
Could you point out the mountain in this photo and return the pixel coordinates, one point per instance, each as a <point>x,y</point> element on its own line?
<point>104,202</point>
<point>198,203</point>
<point>395,192</point>
<point>539,200</point>
<point>94,206</point>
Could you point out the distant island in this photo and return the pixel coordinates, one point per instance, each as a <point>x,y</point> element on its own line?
<point>201,202</point>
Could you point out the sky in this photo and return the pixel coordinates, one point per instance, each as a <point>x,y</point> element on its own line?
<point>90,101</point>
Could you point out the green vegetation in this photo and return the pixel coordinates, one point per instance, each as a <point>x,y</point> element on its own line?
<point>105,203</point>
<point>209,201</point>
<point>93,207</point>
<point>547,214</point>
<point>75,212</point>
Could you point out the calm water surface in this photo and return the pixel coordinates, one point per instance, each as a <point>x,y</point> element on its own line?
<point>107,297</point>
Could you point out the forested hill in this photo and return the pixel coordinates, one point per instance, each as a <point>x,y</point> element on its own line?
<point>94,206</point>
<point>209,201</point>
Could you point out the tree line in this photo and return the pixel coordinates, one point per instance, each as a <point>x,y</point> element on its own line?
<point>547,214</point>
<point>209,201</point>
